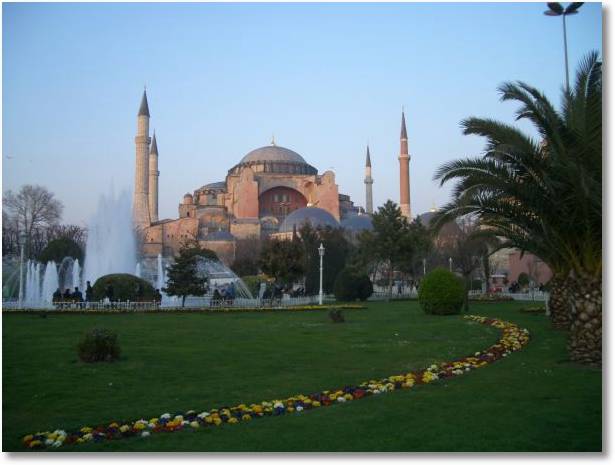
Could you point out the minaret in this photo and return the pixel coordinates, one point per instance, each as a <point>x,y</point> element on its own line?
<point>140,207</point>
<point>404,171</point>
<point>369,204</point>
<point>153,180</point>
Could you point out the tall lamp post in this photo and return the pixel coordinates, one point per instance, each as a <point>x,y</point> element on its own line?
<point>321,252</point>
<point>556,9</point>
<point>22,239</point>
<point>424,266</point>
<point>450,264</point>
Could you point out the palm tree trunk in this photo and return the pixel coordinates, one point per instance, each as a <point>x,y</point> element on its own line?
<point>585,343</point>
<point>559,303</point>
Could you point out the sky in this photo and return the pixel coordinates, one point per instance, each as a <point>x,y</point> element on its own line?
<point>325,79</point>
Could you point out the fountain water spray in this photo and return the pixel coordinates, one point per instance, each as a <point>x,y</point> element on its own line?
<point>111,245</point>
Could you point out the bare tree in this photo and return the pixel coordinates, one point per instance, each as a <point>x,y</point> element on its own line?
<point>33,208</point>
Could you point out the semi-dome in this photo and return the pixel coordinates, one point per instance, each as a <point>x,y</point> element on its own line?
<point>356,223</point>
<point>313,215</point>
<point>273,153</point>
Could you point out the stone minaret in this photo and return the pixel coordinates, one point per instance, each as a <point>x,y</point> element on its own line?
<point>140,207</point>
<point>404,171</point>
<point>369,203</point>
<point>153,180</point>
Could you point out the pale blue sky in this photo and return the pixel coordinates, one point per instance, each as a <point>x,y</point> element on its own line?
<point>221,78</point>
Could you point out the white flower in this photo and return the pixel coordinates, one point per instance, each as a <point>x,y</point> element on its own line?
<point>299,408</point>
<point>341,399</point>
<point>56,443</point>
<point>185,422</point>
<point>376,391</point>
<point>278,405</point>
<point>165,416</point>
<point>203,415</point>
<point>145,434</point>
<point>48,442</point>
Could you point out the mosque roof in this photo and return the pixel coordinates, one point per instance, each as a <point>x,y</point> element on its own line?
<point>215,185</point>
<point>313,215</point>
<point>356,223</point>
<point>273,153</point>
<point>219,236</point>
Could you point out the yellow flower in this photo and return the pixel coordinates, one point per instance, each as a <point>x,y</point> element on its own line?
<point>246,418</point>
<point>195,424</point>
<point>233,420</point>
<point>86,429</point>
<point>28,438</point>
<point>217,421</point>
<point>124,428</point>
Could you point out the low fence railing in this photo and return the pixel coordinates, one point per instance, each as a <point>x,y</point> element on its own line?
<point>534,296</point>
<point>191,302</point>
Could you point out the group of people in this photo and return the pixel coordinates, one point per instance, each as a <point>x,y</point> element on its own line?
<point>69,298</point>
<point>224,295</point>
<point>76,297</point>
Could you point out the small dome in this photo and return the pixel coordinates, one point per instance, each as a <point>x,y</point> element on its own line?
<point>313,215</point>
<point>219,236</point>
<point>356,223</point>
<point>188,199</point>
<point>273,153</point>
<point>215,185</point>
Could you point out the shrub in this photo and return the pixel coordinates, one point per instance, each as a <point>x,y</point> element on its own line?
<point>125,287</point>
<point>523,279</point>
<point>441,293</point>
<point>99,345</point>
<point>351,284</point>
<point>336,316</point>
<point>253,283</point>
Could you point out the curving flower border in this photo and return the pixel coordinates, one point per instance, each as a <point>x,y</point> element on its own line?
<point>513,338</point>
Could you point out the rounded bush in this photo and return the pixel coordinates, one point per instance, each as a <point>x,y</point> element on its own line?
<point>352,285</point>
<point>125,287</point>
<point>99,345</point>
<point>441,293</point>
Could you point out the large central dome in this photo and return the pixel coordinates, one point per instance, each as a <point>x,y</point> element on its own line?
<point>273,153</point>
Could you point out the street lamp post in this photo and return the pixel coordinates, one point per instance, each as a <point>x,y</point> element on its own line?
<point>424,266</point>
<point>450,264</point>
<point>22,239</point>
<point>321,252</point>
<point>556,9</point>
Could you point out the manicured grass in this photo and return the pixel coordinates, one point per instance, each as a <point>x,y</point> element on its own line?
<point>534,400</point>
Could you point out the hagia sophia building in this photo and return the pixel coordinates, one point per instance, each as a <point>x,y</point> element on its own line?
<point>271,191</point>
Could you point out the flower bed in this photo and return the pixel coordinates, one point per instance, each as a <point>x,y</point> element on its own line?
<point>512,339</point>
<point>82,311</point>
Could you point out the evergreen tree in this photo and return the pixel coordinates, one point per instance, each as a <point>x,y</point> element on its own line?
<point>282,260</point>
<point>182,276</point>
<point>337,250</point>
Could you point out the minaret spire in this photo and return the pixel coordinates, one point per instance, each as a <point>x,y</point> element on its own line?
<point>369,204</point>
<point>404,170</point>
<point>140,207</point>
<point>153,180</point>
<point>144,107</point>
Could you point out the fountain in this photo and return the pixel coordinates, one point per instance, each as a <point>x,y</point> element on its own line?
<point>111,245</point>
<point>50,284</point>
<point>138,270</point>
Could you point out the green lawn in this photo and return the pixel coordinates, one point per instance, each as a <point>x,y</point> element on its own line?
<point>534,400</point>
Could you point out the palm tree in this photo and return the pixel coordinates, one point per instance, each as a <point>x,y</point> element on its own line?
<point>545,196</point>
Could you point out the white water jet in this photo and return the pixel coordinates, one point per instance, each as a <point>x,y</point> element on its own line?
<point>50,283</point>
<point>138,270</point>
<point>76,275</point>
<point>161,276</point>
<point>111,245</point>
<point>33,283</point>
